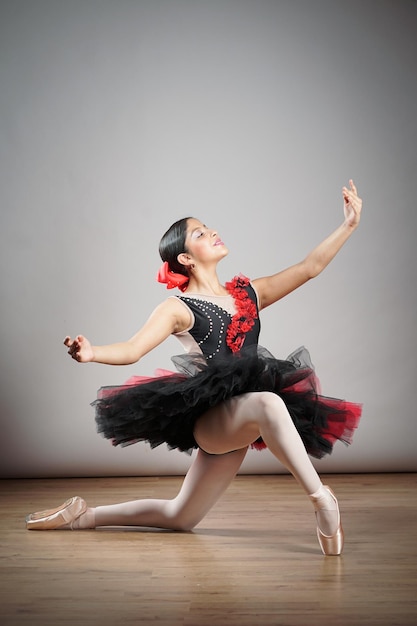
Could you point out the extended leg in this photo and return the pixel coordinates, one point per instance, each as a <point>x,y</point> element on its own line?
<point>206,480</point>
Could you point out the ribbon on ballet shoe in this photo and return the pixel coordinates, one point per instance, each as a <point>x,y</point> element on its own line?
<point>330,544</point>
<point>62,516</point>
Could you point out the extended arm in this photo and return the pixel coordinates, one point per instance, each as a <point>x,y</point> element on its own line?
<point>169,317</point>
<point>274,287</point>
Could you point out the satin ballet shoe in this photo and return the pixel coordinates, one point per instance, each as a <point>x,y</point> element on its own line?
<point>332,545</point>
<point>62,515</point>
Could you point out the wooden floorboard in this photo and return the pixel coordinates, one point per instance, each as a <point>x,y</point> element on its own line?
<point>253,561</point>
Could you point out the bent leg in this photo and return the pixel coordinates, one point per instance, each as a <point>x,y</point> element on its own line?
<point>241,420</point>
<point>206,480</point>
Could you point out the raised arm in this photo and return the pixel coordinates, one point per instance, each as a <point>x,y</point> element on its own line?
<point>169,317</point>
<point>274,287</point>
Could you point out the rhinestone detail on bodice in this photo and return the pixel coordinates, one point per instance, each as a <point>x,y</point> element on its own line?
<point>209,330</point>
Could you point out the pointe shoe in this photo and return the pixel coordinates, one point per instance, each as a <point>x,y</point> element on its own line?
<point>332,545</point>
<point>62,515</point>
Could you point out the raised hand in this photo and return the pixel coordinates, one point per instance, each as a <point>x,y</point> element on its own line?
<point>352,205</point>
<point>79,349</point>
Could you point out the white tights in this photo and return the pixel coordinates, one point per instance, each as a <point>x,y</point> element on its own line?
<point>206,480</point>
<point>240,421</point>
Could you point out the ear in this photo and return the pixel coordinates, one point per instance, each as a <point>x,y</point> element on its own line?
<point>184,259</point>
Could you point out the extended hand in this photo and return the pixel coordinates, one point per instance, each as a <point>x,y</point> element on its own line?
<point>352,205</point>
<point>79,349</point>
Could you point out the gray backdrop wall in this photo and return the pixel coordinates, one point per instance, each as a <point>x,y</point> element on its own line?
<point>119,117</point>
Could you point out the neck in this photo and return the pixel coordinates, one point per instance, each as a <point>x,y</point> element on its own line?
<point>206,284</point>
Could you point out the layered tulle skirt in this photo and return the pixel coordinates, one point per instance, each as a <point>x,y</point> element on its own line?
<point>164,408</point>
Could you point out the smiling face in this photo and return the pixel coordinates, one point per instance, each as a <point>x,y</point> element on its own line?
<point>203,244</point>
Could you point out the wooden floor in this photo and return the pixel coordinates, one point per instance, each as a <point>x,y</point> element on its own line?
<point>253,561</point>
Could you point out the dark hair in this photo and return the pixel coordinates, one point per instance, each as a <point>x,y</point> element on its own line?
<point>173,243</point>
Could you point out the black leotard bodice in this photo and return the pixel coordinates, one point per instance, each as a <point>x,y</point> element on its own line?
<point>211,322</point>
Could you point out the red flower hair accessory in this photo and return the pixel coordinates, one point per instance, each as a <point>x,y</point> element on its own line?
<point>171,279</point>
<point>245,316</point>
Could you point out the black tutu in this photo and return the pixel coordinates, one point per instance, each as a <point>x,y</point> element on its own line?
<point>163,409</point>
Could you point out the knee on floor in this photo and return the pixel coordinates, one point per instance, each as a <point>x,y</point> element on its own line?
<point>178,519</point>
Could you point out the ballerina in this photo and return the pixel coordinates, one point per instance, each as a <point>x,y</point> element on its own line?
<point>228,393</point>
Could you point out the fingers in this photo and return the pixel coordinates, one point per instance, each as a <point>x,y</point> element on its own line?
<point>347,196</point>
<point>352,204</point>
<point>73,346</point>
<point>350,195</point>
<point>352,186</point>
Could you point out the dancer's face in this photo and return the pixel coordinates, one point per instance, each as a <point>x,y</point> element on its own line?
<point>202,243</point>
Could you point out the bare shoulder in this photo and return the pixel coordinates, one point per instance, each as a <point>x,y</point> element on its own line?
<point>174,309</point>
